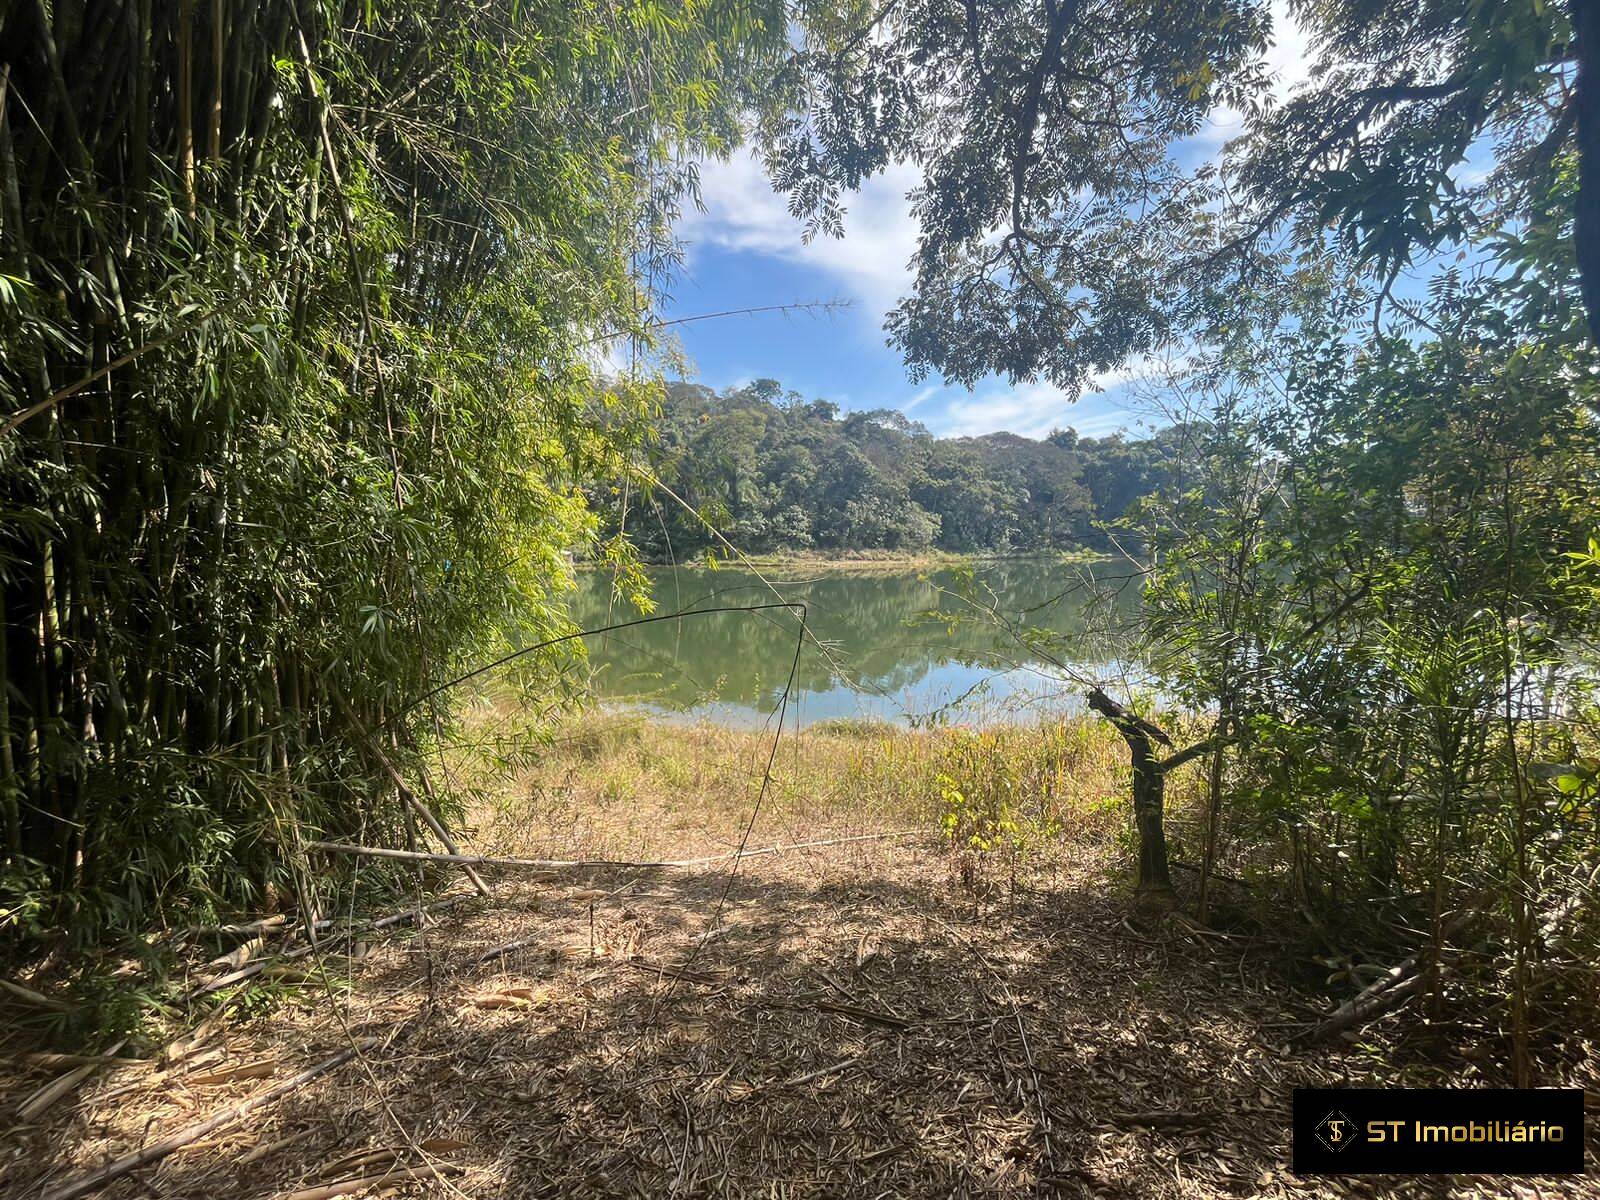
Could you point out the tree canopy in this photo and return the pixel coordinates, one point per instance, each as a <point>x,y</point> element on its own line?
<point>1060,231</point>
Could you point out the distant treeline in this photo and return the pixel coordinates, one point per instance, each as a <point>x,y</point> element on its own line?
<point>773,471</point>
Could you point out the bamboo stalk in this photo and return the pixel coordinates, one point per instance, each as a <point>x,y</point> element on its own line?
<point>10,796</point>
<point>186,101</point>
<point>214,135</point>
<point>409,797</point>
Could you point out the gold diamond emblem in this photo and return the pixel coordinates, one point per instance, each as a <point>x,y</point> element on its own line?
<point>1336,1131</point>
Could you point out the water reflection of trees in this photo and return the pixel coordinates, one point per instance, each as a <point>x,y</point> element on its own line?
<point>886,632</point>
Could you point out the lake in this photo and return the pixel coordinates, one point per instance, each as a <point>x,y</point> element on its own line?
<point>901,645</point>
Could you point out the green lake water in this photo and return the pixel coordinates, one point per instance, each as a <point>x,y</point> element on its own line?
<point>908,646</point>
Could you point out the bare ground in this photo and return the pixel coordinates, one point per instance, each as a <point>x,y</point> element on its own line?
<point>833,1022</point>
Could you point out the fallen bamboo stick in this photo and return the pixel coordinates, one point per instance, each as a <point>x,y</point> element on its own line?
<point>672,972</point>
<point>409,797</point>
<point>63,1085</point>
<point>507,948</point>
<point>844,1064</point>
<point>328,1191</point>
<point>567,864</point>
<point>261,964</point>
<point>33,997</point>
<point>413,914</point>
<point>94,1180</point>
<point>242,929</point>
<point>1385,993</point>
<point>1389,992</point>
<point>868,1016</point>
<point>47,1060</point>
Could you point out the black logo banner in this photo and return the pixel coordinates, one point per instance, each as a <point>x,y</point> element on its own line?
<point>1369,1131</point>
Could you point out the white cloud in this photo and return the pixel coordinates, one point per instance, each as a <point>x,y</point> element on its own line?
<point>1102,425</point>
<point>869,262</point>
<point>921,397</point>
<point>1034,409</point>
<point>1031,410</point>
<point>1139,367</point>
<point>1288,58</point>
<point>1016,411</point>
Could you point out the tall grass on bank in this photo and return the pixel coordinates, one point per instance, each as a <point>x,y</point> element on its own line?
<point>631,786</point>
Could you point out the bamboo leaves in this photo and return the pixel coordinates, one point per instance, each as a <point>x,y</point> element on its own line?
<point>294,397</point>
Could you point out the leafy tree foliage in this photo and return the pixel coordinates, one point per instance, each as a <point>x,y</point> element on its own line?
<point>772,471</point>
<point>1400,96</point>
<point>1052,206</point>
<point>1059,232</point>
<point>1367,582</point>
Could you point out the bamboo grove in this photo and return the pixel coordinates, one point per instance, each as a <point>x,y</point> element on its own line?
<point>299,304</point>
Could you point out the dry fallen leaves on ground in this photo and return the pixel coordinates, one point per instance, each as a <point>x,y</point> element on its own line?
<point>844,1024</point>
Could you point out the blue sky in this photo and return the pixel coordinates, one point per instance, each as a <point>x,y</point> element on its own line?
<point>746,251</point>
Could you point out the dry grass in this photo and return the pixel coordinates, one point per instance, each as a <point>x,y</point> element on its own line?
<point>635,787</point>
<point>847,1021</point>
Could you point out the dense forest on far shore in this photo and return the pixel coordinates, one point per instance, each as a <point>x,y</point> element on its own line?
<point>772,471</point>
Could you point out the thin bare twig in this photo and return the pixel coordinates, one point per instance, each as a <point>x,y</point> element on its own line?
<point>573,864</point>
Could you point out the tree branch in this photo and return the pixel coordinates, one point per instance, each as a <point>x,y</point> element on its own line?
<point>976,47</point>
<point>1189,753</point>
<point>1124,718</point>
<point>1028,118</point>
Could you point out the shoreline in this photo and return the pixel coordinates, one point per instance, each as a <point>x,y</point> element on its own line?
<point>866,561</point>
